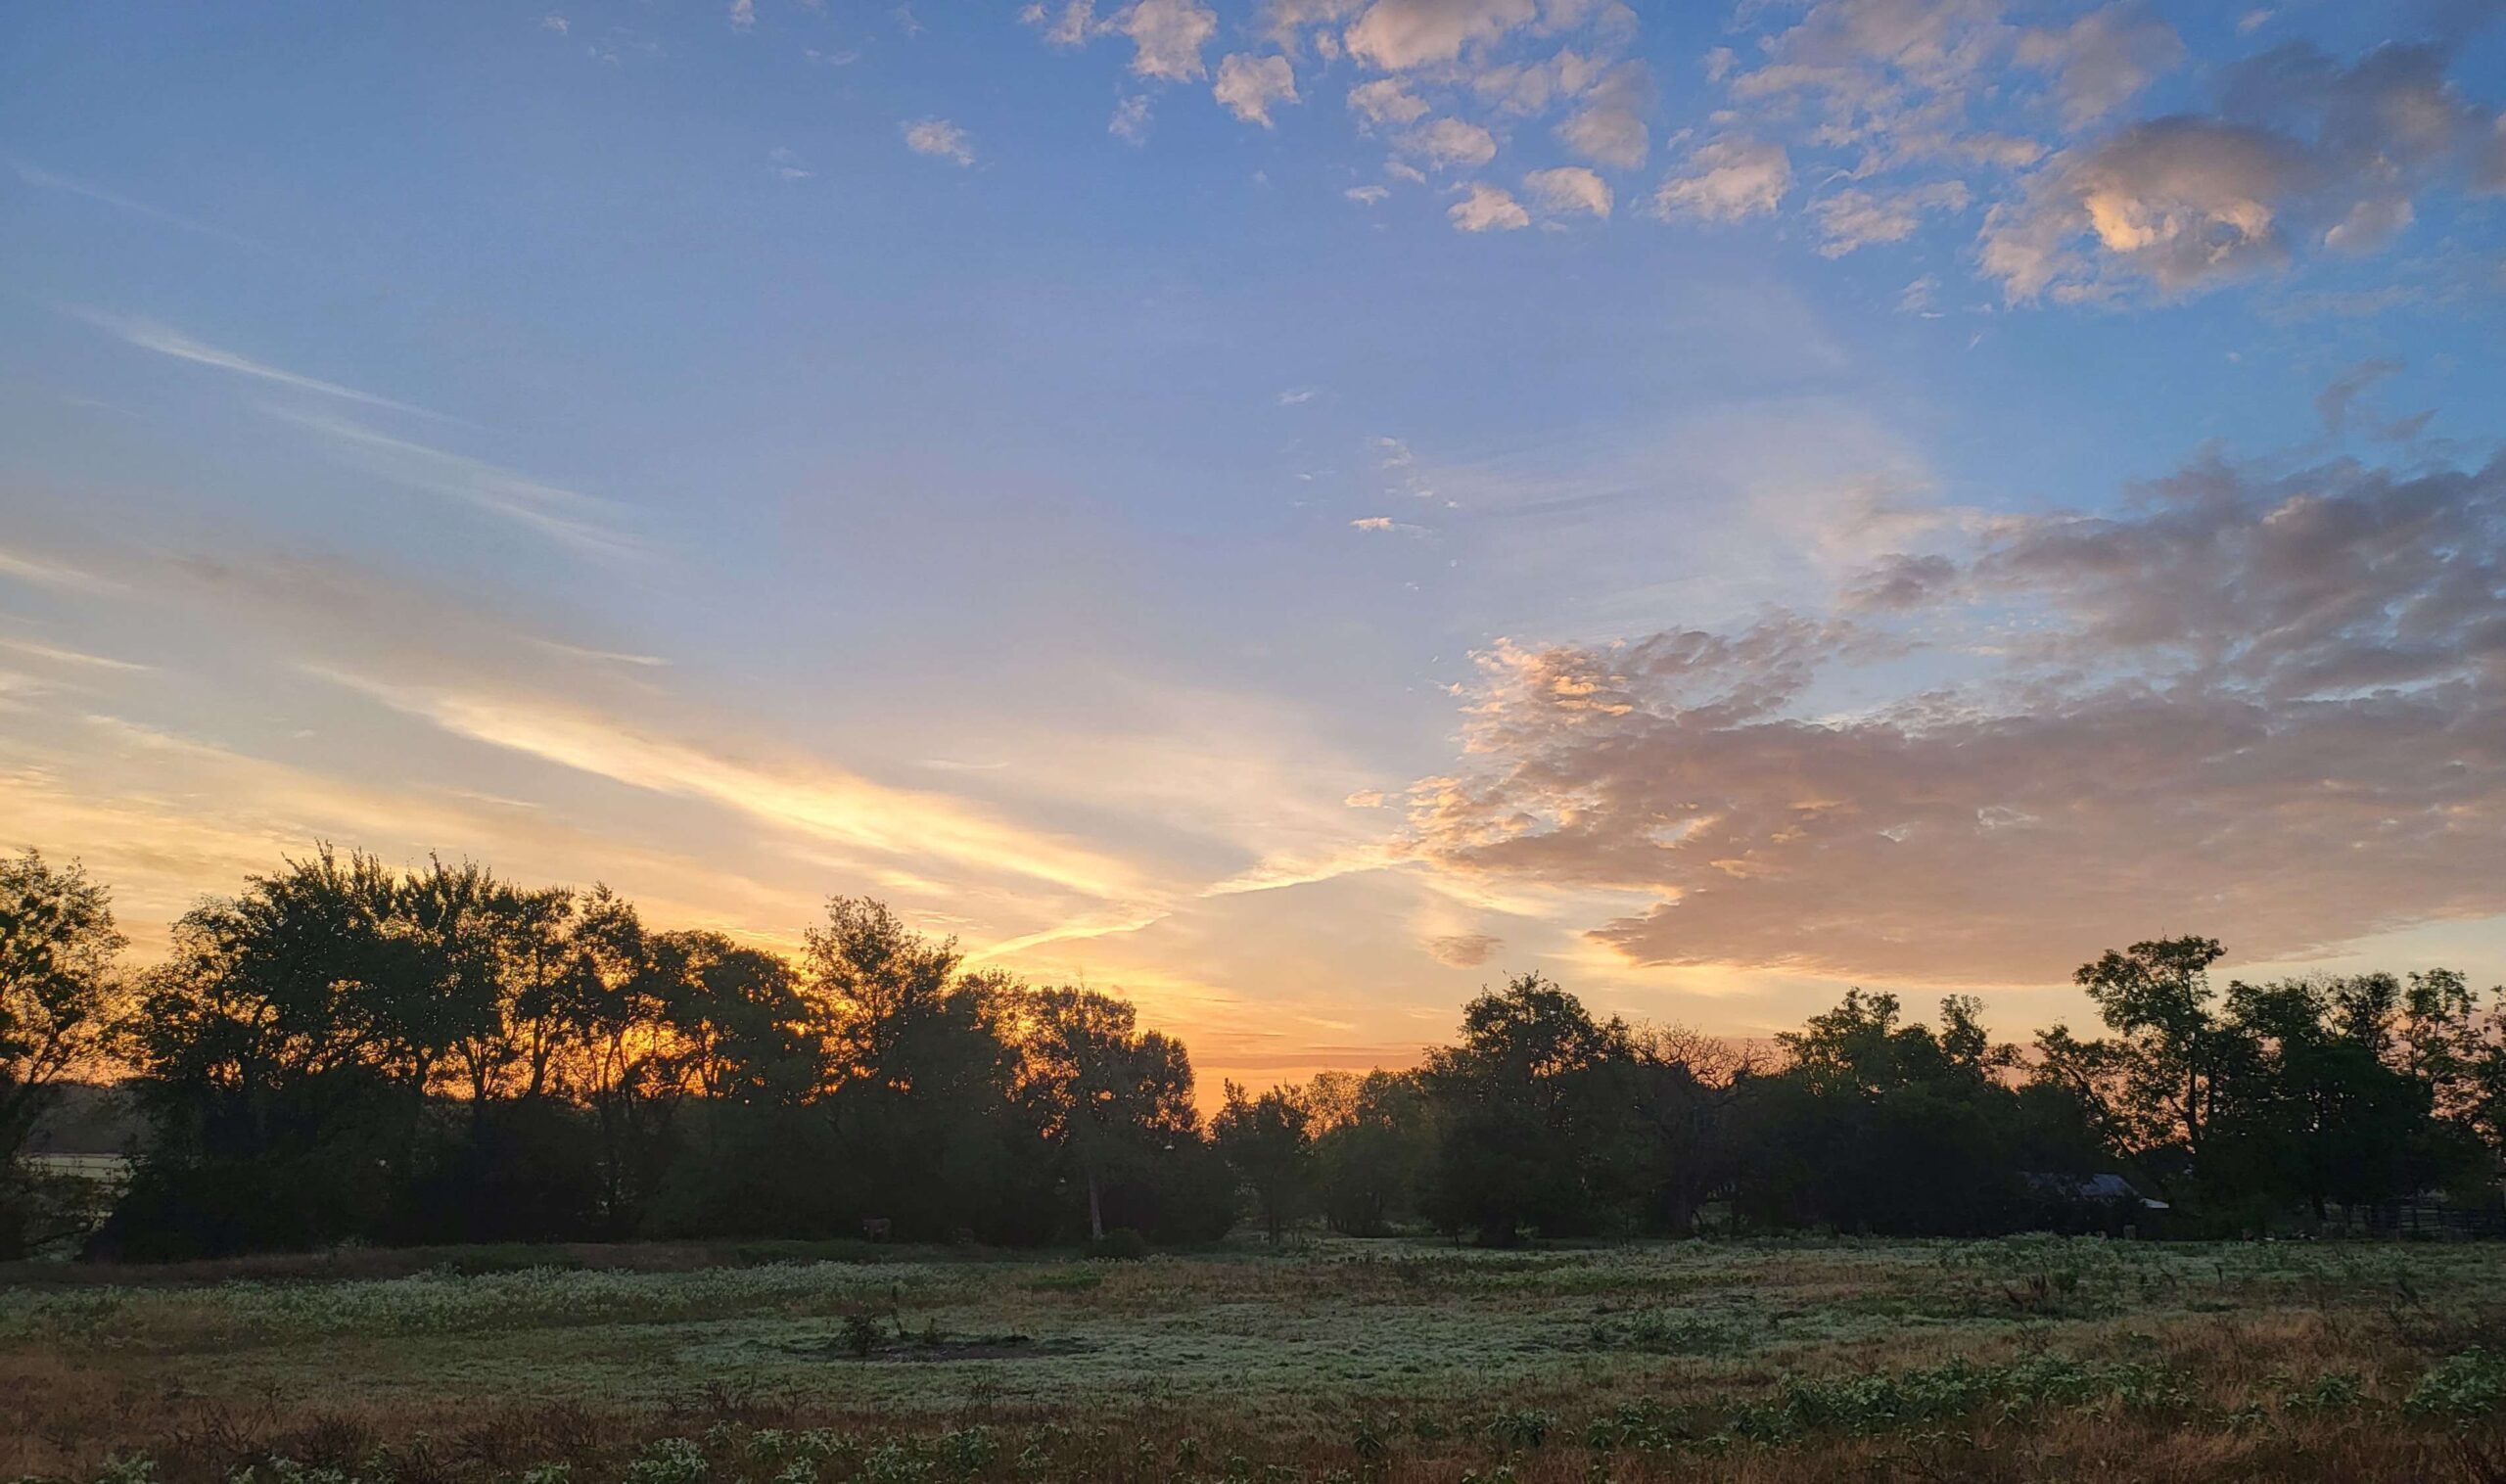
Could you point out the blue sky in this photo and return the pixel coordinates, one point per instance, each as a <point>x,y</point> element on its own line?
<point>1276,507</point>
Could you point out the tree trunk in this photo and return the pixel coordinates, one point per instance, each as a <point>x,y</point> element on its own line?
<point>1095,1208</point>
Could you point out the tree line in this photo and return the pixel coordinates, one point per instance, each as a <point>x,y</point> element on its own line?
<point>342,1052</point>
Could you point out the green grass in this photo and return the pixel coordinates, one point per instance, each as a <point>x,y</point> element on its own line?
<point>1689,1350</point>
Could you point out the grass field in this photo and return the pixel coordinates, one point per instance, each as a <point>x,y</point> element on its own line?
<point>2025,1359</point>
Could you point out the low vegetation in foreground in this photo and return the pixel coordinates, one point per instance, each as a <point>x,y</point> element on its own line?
<point>2030,1358</point>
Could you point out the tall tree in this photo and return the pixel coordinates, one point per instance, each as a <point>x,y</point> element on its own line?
<point>924,1071</point>
<point>1108,1094</point>
<point>284,1052</point>
<point>1268,1141</point>
<point>1534,1115</point>
<point>1376,1145</point>
<point>2155,996</point>
<point>58,1001</point>
<point>1686,1088</point>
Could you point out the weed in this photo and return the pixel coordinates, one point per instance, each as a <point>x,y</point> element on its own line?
<point>2466,1386</point>
<point>670,1460</point>
<point>1524,1427</point>
<point>862,1334</point>
<point>2334,1391</point>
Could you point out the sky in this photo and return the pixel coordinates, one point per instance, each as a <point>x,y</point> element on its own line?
<point>1292,511</point>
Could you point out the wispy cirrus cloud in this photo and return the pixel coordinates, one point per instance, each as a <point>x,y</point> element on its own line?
<point>167,340</point>
<point>52,571</point>
<point>585,524</point>
<point>59,654</point>
<point>168,816</point>
<point>793,794</point>
<point>44,179</point>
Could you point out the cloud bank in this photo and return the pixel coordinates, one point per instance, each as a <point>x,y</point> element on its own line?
<point>2264,705</point>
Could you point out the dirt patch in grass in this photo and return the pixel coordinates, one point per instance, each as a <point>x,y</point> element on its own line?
<point>918,1349</point>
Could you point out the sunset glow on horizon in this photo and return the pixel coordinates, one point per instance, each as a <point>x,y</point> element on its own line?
<point>1291,510</point>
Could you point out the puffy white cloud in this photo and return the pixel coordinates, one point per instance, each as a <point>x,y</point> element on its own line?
<point>1528,88</point>
<point>1856,218</point>
<point>1386,101</point>
<point>1570,189</point>
<point>1129,121</point>
<point>1881,83</point>
<point>2179,201</point>
<point>1168,36</point>
<point>1367,195</point>
<point>1728,181</point>
<point>1395,35</point>
<point>1861,51</point>
<point>1248,85</point>
<point>1071,26</point>
<point>1287,21</point>
<point>940,138</point>
<point>1488,208</point>
<point>1610,128</point>
<point>2103,60</point>
<point>2304,152</point>
<point>1449,142</point>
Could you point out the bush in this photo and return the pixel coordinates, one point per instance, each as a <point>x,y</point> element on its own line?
<point>2465,1386</point>
<point>670,1461</point>
<point>862,1332</point>
<point>1124,1245</point>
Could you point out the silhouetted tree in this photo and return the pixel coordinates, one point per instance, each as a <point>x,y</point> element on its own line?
<point>2155,996</point>
<point>57,1002</point>
<point>1875,1124</point>
<point>1376,1146</point>
<point>1108,1095</point>
<point>339,1051</point>
<point>1268,1142</point>
<point>283,1052</point>
<point>1534,1114</point>
<point>923,1072</point>
<point>1686,1090</point>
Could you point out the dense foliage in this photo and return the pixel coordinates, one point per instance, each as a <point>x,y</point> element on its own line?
<point>344,1052</point>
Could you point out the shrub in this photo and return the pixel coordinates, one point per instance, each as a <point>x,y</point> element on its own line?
<point>137,1469</point>
<point>670,1461</point>
<point>2331,1391</point>
<point>2466,1386</point>
<point>1122,1245</point>
<point>1525,1427</point>
<point>862,1332</point>
<point>891,1464</point>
